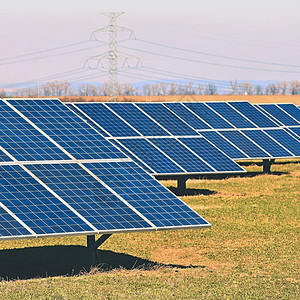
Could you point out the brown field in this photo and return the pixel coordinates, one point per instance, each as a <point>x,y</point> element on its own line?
<point>177,98</point>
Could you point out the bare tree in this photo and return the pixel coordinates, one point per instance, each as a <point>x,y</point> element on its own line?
<point>200,88</point>
<point>282,86</point>
<point>211,89</point>
<point>234,87</point>
<point>188,89</point>
<point>294,87</point>
<point>259,89</point>
<point>247,88</point>
<point>173,88</point>
<point>2,93</point>
<point>87,90</point>
<point>164,88</point>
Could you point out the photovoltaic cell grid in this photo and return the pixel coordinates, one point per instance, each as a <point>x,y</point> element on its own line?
<point>291,109</point>
<point>59,198</point>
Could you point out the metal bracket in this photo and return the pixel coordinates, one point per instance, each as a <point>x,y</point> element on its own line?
<point>267,165</point>
<point>93,245</point>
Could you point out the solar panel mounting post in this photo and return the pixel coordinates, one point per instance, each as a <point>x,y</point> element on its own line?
<point>93,245</point>
<point>181,184</point>
<point>267,165</point>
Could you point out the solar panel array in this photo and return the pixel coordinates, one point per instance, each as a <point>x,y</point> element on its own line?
<point>194,137</point>
<point>59,176</point>
<point>160,141</point>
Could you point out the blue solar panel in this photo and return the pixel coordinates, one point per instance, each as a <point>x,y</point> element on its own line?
<point>206,114</point>
<point>212,155</point>
<point>146,195</point>
<point>23,141</point>
<point>34,205</point>
<point>279,114</point>
<point>230,115</point>
<point>10,227</point>
<point>220,142</point>
<point>253,114</point>
<point>166,119</point>
<point>273,148</point>
<point>285,139</point>
<point>151,156</point>
<point>181,155</point>
<point>291,109</point>
<point>187,115</point>
<point>88,196</point>
<point>296,131</point>
<point>137,119</point>
<point>107,119</point>
<point>67,129</point>
<point>134,158</point>
<point>245,144</point>
<point>4,157</point>
<point>89,121</point>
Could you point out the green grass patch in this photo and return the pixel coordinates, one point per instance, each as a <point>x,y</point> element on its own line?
<point>251,251</point>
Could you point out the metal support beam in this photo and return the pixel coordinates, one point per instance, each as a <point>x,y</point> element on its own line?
<point>92,246</point>
<point>181,184</point>
<point>267,165</point>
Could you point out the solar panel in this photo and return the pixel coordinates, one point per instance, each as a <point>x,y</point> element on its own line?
<point>75,193</point>
<point>23,141</point>
<point>167,119</point>
<point>231,115</point>
<point>219,161</point>
<point>227,147</point>
<point>295,131</point>
<point>151,156</point>
<point>279,114</point>
<point>136,118</point>
<point>253,114</point>
<point>33,204</point>
<point>206,114</point>
<point>243,143</point>
<point>88,197</point>
<point>67,129</point>
<point>146,195</point>
<point>10,227</point>
<point>291,109</point>
<point>285,140</point>
<point>182,155</point>
<point>187,115</point>
<point>267,143</point>
<point>104,117</point>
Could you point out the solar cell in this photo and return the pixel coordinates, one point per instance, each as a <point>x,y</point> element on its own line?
<point>107,119</point>
<point>67,129</point>
<point>22,140</point>
<point>167,119</point>
<point>151,156</point>
<point>89,197</point>
<point>147,195</point>
<point>219,141</point>
<point>230,114</point>
<point>136,118</point>
<point>285,140</point>
<point>268,144</point>
<point>291,109</point>
<point>33,204</point>
<point>279,114</point>
<point>4,157</point>
<point>253,114</point>
<point>296,131</point>
<point>206,114</point>
<point>244,144</point>
<point>185,114</point>
<point>10,227</point>
<point>212,155</point>
<point>182,155</point>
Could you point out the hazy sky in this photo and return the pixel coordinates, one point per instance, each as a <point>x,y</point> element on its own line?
<point>217,40</point>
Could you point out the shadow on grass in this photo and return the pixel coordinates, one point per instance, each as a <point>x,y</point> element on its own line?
<point>191,192</point>
<point>49,261</point>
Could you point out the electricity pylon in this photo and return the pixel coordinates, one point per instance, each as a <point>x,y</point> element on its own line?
<point>113,56</point>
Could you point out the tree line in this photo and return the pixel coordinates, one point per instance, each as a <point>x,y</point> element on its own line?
<point>64,88</point>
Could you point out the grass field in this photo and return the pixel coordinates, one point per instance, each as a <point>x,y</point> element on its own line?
<point>251,252</point>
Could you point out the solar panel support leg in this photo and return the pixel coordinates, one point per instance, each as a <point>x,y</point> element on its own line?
<point>267,165</point>
<point>93,245</point>
<point>181,184</point>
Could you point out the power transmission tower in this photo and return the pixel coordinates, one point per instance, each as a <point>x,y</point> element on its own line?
<point>113,56</point>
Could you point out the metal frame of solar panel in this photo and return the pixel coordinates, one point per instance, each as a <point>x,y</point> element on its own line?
<point>158,138</point>
<point>64,178</point>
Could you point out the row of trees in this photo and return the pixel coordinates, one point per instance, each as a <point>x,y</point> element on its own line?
<point>64,88</point>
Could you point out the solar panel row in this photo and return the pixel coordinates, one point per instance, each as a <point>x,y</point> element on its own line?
<point>59,176</point>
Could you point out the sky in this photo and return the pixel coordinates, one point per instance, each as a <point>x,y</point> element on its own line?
<point>212,40</point>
